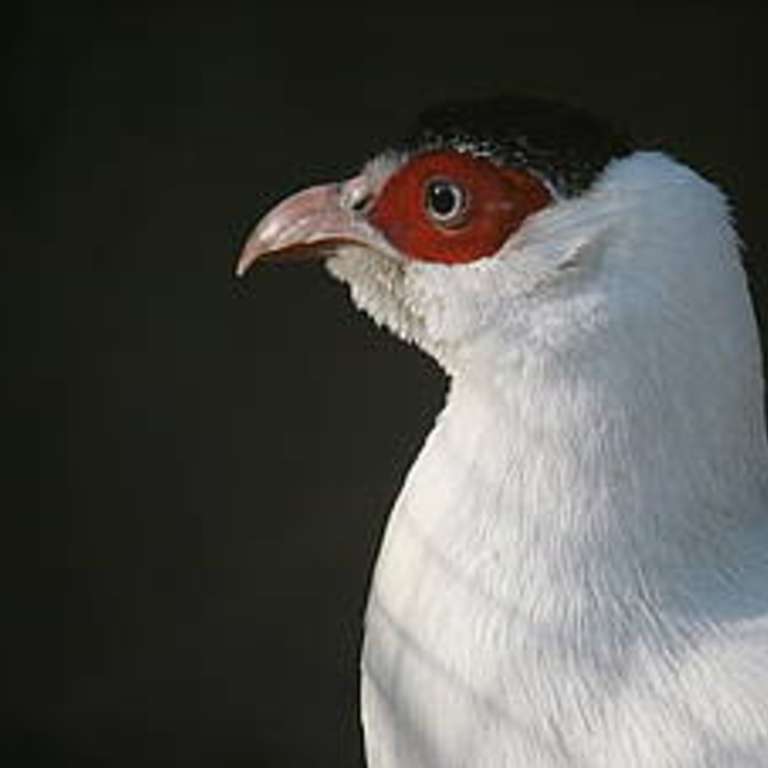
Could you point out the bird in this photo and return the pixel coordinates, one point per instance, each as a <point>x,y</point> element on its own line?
<point>575,571</point>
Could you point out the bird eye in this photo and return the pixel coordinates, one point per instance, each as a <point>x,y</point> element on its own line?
<point>446,202</point>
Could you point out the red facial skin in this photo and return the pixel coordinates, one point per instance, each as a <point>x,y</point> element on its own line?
<point>497,202</point>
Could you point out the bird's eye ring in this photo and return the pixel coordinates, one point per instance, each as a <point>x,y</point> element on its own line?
<point>446,202</point>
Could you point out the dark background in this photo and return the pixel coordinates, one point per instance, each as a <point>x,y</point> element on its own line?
<point>199,470</point>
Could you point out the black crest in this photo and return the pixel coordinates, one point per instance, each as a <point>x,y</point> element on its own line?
<point>566,145</point>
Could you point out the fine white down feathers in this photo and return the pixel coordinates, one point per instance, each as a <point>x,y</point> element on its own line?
<point>576,571</point>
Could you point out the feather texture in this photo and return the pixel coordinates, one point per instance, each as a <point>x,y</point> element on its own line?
<point>576,570</point>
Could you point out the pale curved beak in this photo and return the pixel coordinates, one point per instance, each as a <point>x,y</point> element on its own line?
<point>310,224</point>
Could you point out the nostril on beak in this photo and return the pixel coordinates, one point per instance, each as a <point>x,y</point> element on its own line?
<point>356,195</point>
<point>362,203</point>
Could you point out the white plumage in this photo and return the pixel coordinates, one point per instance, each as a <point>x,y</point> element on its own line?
<point>575,573</point>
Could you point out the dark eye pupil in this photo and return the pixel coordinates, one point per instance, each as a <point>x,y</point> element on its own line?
<point>444,199</point>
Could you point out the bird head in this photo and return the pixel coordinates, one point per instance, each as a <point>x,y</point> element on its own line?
<point>517,225</point>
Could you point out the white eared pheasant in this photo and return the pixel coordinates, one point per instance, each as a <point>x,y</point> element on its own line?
<point>575,573</point>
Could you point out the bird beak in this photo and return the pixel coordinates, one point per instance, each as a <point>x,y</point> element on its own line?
<point>312,224</point>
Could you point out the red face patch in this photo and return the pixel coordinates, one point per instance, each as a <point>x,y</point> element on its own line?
<point>453,208</point>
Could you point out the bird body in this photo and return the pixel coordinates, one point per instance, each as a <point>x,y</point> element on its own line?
<point>575,572</point>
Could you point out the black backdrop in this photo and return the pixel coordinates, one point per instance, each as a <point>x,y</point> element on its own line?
<point>199,470</point>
